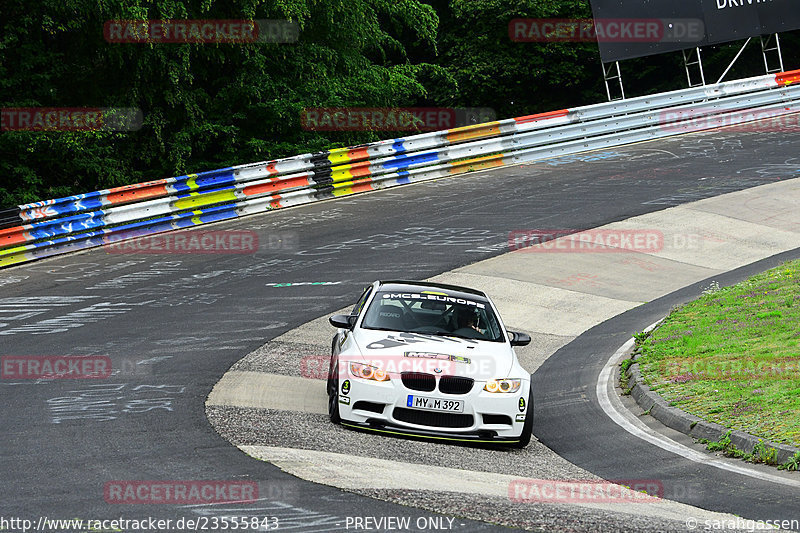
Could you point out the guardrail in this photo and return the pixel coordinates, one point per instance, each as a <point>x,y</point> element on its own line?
<point>93,219</point>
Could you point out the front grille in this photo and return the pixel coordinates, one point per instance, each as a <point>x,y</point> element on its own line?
<point>421,381</point>
<point>455,384</point>
<point>369,406</point>
<point>418,381</point>
<point>431,419</point>
<point>497,419</point>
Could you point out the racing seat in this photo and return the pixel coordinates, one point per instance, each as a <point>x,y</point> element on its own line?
<point>392,318</point>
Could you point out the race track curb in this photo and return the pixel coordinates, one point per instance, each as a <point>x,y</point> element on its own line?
<point>653,404</point>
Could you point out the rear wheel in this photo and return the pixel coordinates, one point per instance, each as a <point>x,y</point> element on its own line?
<point>527,428</point>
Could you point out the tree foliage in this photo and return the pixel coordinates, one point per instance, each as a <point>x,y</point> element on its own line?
<point>204,105</point>
<point>515,78</point>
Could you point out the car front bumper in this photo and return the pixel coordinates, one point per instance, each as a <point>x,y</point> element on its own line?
<point>383,407</point>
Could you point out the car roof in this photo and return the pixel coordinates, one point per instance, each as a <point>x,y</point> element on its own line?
<point>418,286</point>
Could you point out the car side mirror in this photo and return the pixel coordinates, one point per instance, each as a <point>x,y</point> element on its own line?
<point>343,321</point>
<point>519,339</point>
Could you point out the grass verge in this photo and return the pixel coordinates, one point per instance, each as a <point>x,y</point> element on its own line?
<point>732,356</point>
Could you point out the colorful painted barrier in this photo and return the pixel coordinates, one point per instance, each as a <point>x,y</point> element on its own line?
<point>51,227</point>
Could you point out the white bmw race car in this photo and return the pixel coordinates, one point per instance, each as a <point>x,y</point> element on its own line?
<point>429,360</point>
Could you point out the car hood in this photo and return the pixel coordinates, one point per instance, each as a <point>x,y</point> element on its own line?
<point>398,352</point>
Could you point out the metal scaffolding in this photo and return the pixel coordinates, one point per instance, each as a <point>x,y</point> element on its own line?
<point>609,76</point>
<point>693,64</point>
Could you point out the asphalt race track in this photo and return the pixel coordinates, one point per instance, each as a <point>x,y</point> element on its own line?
<point>173,324</point>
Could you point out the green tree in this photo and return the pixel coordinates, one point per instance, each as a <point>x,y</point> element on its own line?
<point>204,105</point>
<point>514,78</point>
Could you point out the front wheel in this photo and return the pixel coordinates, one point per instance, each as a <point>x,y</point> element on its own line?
<point>333,393</point>
<point>527,427</point>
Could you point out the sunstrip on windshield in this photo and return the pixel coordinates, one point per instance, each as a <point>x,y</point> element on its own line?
<point>434,297</point>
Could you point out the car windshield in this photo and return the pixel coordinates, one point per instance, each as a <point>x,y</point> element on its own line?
<point>434,313</point>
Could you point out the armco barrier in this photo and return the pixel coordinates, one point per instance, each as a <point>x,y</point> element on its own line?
<point>51,227</point>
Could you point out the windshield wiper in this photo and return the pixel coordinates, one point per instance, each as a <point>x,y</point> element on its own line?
<point>465,337</point>
<point>446,334</point>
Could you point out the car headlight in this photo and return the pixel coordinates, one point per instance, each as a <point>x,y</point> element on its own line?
<point>368,372</point>
<point>503,385</point>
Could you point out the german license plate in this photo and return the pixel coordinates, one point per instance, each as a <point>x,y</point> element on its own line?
<point>435,404</point>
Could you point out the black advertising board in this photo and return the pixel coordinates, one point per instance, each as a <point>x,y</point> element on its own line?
<point>682,24</point>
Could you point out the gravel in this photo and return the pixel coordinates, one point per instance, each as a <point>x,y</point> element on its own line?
<point>284,358</point>
<point>289,429</point>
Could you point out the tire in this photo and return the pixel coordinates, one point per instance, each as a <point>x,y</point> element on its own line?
<point>527,427</point>
<point>333,393</point>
